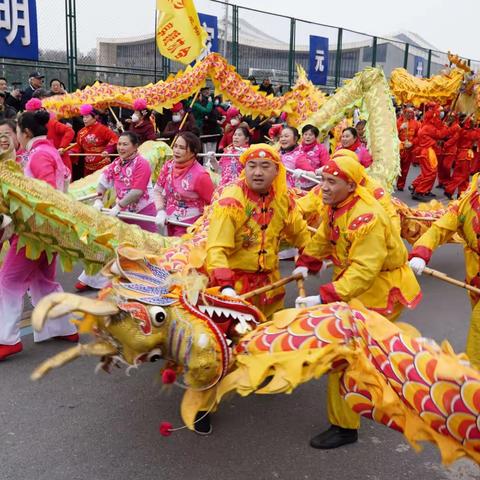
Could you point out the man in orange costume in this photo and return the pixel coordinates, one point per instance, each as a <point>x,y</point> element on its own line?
<point>449,150</point>
<point>407,128</point>
<point>461,171</point>
<point>432,129</point>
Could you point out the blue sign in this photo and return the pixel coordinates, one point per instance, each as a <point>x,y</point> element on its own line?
<point>18,29</point>
<point>419,67</point>
<point>318,65</point>
<point>210,24</point>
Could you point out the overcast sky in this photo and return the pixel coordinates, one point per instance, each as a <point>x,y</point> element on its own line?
<point>447,24</point>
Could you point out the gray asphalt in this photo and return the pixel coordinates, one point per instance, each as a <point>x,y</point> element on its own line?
<point>77,425</point>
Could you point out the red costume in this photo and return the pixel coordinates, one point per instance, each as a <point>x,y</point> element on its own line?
<point>407,132</point>
<point>432,129</point>
<point>95,139</point>
<point>448,154</point>
<point>60,135</point>
<point>461,171</point>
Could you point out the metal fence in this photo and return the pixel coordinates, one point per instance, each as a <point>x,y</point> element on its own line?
<point>113,41</point>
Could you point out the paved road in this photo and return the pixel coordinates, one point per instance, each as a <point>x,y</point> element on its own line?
<point>77,425</point>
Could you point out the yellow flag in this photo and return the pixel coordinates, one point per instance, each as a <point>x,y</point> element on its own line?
<point>179,34</point>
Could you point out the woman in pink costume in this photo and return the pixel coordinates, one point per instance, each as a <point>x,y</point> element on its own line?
<point>230,167</point>
<point>290,152</point>
<point>314,155</point>
<point>351,141</point>
<point>183,187</point>
<point>129,175</point>
<point>18,273</point>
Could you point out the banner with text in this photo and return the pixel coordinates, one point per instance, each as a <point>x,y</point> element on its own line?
<point>318,65</point>
<point>18,29</point>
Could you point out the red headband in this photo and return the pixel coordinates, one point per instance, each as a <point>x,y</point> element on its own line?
<point>333,169</point>
<point>261,154</point>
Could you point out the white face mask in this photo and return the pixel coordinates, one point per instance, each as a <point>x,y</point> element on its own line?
<point>442,114</point>
<point>135,118</point>
<point>234,122</point>
<point>176,117</point>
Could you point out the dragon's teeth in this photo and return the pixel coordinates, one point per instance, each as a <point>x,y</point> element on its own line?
<point>202,308</point>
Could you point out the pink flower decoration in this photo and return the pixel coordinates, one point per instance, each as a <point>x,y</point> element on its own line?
<point>33,104</point>
<point>139,104</point>
<point>86,110</point>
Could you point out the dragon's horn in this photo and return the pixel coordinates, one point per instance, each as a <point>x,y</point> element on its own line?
<point>97,349</point>
<point>59,304</point>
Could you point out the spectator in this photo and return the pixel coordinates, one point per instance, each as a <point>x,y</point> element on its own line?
<point>173,127</point>
<point>202,107</point>
<point>266,87</point>
<point>6,111</point>
<point>35,81</point>
<point>252,80</point>
<point>233,119</point>
<point>141,124</point>
<point>57,87</point>
<point>12,99</point>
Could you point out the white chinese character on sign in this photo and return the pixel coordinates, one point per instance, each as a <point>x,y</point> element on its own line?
<point>15,14</point>
<point>319,58</point>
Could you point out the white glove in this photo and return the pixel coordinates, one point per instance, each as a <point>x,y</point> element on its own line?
<point>229,292</point>
<point>418,265</point>
<point>298,172</point>
<point>98,204</point>
<point>305,302</point>
<point>302,270</point>
<point>114,211</point>
<point>161,218</point>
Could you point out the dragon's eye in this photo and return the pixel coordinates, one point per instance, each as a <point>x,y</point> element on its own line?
<point>158,316</point>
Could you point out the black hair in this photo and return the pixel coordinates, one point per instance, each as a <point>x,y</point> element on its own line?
<point>245,131</point>
<point>56,80</point>
<point>3,78</point>
<point>36,122</point>
<point>9,122</point>
<point>362,123</point>
<point>312,128</point>
<point>40,93</point>
<point>352,130</point>
<point>193,142</point>
<point>132,136</point>
<point>296,135</point>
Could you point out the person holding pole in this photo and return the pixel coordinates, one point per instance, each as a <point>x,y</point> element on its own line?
<point>370,263</point>
<point>247,224</point>
<point>184,187</point>
<point>462,217</point>
<point>95,139</point>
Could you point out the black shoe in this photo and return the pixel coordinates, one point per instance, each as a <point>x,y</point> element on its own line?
<point>448,195</point>
<point>410,187</point>
<point>399,189</point>
<point>334,437</point>
<point>202,424</point>
<point>440,185</point>
<point>430,194</point>
<point>419,197</point>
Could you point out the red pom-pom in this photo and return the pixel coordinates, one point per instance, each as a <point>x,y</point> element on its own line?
<point>139,104</point>
<point>33,104</point>
<point>168,376</point>
<point>166,429</point>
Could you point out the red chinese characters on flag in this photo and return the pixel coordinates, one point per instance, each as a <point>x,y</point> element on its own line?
<point>179,34</point>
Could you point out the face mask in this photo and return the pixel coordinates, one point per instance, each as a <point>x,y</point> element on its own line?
<point>217,102</point>
<point>442,114</point>
<point>135,118</point>
<point>176,117</point>
<point>234,122</point>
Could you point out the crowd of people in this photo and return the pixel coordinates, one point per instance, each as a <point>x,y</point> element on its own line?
<point>266,194</point>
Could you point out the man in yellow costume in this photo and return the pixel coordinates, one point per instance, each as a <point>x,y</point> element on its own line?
<point>370,264</point>
<point>248,221</point>
<point>311,204</point>
<point>462,217</point>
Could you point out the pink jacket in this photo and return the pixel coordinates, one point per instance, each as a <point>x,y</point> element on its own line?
<point>45,163</point>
